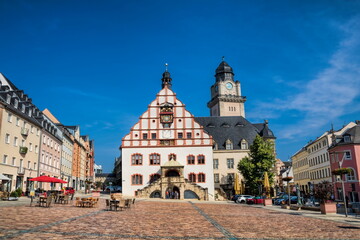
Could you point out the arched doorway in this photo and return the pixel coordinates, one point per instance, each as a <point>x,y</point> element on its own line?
<point>172,192</point>
<point>176,191</point>
<point>155,194</point>
<point>172,173</point>
<point>188,194</point>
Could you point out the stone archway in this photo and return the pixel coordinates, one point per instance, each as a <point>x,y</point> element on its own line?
<point>188,194</point>
<point>176,192</point>
<point>155,194</point>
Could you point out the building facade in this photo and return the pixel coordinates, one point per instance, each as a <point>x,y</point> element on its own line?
<point>231,132</point>
<point>20,134</point>
<point>50,152</point>
<point>345,153</point>
<point>167,153</point>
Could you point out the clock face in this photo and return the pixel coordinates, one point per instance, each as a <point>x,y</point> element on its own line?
<point>229,85</point>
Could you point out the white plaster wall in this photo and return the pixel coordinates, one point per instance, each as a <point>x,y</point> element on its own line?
<point>181,153</point>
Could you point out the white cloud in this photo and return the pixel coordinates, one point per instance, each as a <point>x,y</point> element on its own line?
<point>330,95</point>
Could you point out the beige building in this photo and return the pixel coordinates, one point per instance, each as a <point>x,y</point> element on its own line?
<point>311,164</point>
<point>19,137</point>
<point>231,132</point>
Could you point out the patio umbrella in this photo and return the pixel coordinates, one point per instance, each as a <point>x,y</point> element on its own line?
<point>47,179</point>
<point>237,186</point>
<point>267,184</point>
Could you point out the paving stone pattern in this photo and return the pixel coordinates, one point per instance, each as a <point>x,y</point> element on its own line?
<point>166,220</point>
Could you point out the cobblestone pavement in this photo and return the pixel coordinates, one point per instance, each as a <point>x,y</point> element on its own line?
<point>167,220</point>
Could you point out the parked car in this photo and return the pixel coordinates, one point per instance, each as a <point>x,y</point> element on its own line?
<point>235,197</point>
<point>69,190</point>
<point>255,200</point>
<point>242,198</point>
<point>281,196</point>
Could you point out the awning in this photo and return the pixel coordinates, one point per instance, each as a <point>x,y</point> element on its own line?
<point>3,177</point>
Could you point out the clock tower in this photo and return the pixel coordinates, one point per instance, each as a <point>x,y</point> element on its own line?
<point>226,99</point>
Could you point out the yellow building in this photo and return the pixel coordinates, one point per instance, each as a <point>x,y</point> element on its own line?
<point>300,165</point>
<point>19,137</point>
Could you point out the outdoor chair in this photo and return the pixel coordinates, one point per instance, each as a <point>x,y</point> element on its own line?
<point>107,201</point>
<point>94,202</point>
<point>65,200</point>
<point>128,203</point>
<point>121,204</point>
<point>48,201</point>
<point>77,202</point>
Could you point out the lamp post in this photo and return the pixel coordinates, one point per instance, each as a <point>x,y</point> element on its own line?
<point>342,181</point>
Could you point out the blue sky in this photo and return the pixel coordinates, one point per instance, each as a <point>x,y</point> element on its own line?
<point>98,64</point>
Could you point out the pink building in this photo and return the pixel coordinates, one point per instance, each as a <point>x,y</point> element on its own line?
<point>345,153</point>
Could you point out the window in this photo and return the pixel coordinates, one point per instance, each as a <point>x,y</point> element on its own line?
<point>30,147</point>
<point>216,163</point>
<point>180,135</point>
<point>192,177</point>
<point>7,138</point>
<point>34,166</point>
<point>201,177</point>
<point>37,132</point>
<point>228,144</point>
<point>9,117</point>
<point>347,155</point>
<point>145,135</point>
<point>36,149</point>
<point>13,161</point>
<point>172,157</point>
<point>201,159</point>
<point>29,166</point>
<point>350,176</point>
<point>17,121</point>
<point>137,179</point>
<point>154,159</point>
<point>44,139</point>
<point>244,144</point>
<point>136,159</point>
<point>216,178</point>
<point>346,138</point>
<point>191,159</point>
<point>23,143</point>
<point>230,163</point>
<point>5,159</point>
<point>32,129</point>
<point>188,135</point>
<point>153,136</point>
<point>154,177</point>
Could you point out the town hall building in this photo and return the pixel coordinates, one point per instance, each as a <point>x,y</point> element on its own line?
<point>169,153</point>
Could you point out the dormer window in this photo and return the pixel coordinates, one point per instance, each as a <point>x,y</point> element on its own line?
<point>8,98</point>
<point>228,144</point>
<point>225,125</point>
<point>347,138</point>
<point>244,144</point>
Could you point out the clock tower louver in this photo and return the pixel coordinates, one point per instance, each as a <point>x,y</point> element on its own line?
<point>226,99</point>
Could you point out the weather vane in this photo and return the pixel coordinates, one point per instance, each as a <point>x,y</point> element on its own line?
<point>223,57</point>
<point>166,67</point>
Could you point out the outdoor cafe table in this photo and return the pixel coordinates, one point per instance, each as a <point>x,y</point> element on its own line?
<point>42,201</point>
<point>59,198</point>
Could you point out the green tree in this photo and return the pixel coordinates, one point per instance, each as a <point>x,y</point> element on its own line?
<point>261,159</point>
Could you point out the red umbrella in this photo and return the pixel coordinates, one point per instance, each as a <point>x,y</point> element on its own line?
<point>45,178</point>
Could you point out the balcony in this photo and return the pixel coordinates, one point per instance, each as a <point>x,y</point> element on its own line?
<point>24,131</point>
<point>21,171</point>
<point>23,150</point>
